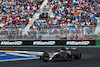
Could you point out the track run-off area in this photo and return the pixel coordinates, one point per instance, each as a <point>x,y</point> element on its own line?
<point>90,58</point>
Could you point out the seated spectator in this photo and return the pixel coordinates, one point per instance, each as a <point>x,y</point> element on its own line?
<point>72,37</point>
<point>88,38</point>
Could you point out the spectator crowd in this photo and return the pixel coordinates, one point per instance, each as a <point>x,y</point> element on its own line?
<point>15,14</point>
<point>68,15</point>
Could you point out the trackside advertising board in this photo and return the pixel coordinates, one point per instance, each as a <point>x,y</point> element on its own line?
<point>48,42</point>
<point>97,42</point>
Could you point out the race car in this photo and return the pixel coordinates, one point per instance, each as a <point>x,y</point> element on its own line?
<point>63,54</point>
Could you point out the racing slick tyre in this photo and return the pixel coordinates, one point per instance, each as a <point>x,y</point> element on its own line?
<point>77,55</point>
<point>45,57</point>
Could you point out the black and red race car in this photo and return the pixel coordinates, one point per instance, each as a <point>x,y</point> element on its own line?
<point>63,54</point>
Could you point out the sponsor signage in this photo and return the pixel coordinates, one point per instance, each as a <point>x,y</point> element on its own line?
<point>49,42</point>
<point>44,42</point>
<point>77,42</point>
<point>97,42</point>
<point>11,42</point>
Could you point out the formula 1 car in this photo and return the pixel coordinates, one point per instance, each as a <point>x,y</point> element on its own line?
<point>63,54</point>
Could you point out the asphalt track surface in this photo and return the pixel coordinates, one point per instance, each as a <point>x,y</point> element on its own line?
<point>90,58</point>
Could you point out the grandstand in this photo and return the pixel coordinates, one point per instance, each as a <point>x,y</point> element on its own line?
<point>49,19</point>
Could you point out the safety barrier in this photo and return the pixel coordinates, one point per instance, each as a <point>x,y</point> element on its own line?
<point>47,43</point>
